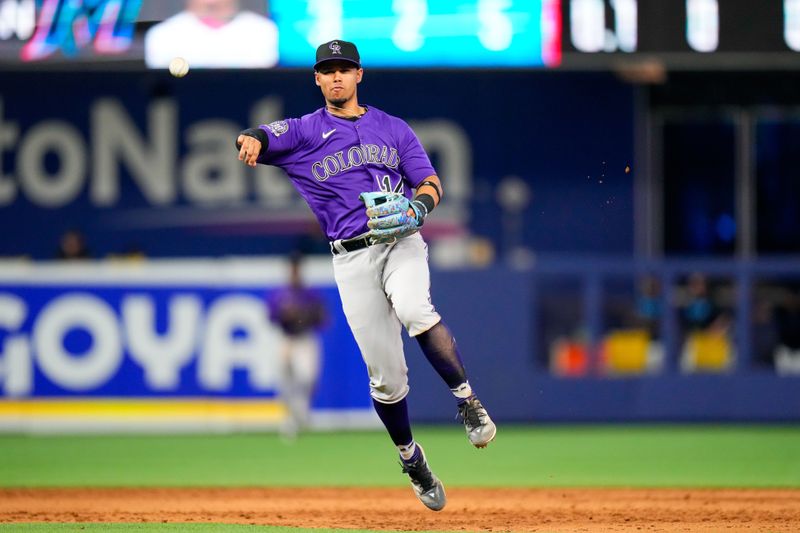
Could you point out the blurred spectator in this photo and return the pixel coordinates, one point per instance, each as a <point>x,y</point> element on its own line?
<point>699,312</point>
<point>787,319</point>
<point>213,33</point>
<point>787,316</point>
<point>765,332</point>
<point>705,325</point>
<point>72,245</point>
<point>649,306</point>
<point>460,251</point>
<point>299,312</point>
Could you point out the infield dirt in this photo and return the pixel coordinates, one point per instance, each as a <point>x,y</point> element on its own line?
<point>544,510</point>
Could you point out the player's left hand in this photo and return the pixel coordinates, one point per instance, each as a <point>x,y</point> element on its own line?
<point>391,216</point>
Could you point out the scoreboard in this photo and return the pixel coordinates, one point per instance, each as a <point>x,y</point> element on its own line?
<point>701,33</point>
<point>424,33</point>
<point>573,34</point>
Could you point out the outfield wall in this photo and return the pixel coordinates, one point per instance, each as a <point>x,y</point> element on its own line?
<point>187,346</point>
<point>505,320</point>
<point>172,345</point>
<point>142,161</point>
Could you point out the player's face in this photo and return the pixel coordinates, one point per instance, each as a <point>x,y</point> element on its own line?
<point>337,80</point>
<point>214,9</point>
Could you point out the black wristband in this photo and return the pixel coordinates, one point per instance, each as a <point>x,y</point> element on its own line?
<point>258,134</point>
<point>432,184</point>
<point>426,200</point>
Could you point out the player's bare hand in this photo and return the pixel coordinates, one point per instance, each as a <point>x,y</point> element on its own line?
<point>249,150</point>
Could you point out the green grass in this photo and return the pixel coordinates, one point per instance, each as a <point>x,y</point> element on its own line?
<point>635,456</point>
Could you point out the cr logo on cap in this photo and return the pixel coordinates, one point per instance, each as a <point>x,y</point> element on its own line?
<point>335,48</point>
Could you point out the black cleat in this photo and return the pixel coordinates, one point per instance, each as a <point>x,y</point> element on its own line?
<point>426,485</point>
<point>480,428</point>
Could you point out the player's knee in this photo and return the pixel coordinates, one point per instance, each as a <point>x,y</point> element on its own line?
<point>417,318</point>
<point>389,391</point>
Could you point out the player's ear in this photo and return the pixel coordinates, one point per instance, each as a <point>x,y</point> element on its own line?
<point>359,75</point>
<point>316,78</point>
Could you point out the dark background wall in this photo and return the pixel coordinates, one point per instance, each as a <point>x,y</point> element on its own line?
<point>568,137</point>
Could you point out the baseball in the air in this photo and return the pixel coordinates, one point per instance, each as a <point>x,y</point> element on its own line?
<point>178,67</point>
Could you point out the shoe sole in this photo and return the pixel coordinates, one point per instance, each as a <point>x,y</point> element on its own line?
<point>483,445</point>
<point>437,506</point>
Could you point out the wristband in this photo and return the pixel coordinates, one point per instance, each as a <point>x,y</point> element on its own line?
<point>258,134</point>
<point>432,184</point>
<point>427,201</point>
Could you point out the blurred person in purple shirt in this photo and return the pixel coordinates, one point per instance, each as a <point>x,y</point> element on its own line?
<point>300,313</point>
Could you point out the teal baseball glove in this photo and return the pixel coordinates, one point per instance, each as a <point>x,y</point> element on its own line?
<point>392,216</point>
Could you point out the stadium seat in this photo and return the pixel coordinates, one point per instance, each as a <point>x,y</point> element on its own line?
<point>625,351</point>
<point>706,351</point>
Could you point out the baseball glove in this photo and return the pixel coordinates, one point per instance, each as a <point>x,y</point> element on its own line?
<point>391,216</point>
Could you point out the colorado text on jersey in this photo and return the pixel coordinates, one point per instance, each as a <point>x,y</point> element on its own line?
<point>330,165</point>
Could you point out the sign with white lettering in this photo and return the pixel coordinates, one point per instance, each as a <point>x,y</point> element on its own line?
<point>162,331</point>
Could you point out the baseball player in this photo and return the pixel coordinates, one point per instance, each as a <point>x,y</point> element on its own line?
<point>299,312</point>
<point>346,157</point>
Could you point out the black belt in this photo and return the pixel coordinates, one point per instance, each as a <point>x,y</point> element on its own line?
<point>351,245</point>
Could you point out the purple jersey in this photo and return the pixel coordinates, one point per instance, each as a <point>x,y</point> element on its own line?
<point>296,310</point>
<point>331,160</point>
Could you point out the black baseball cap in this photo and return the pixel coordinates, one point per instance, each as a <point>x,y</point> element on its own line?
<point>339,50</point>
